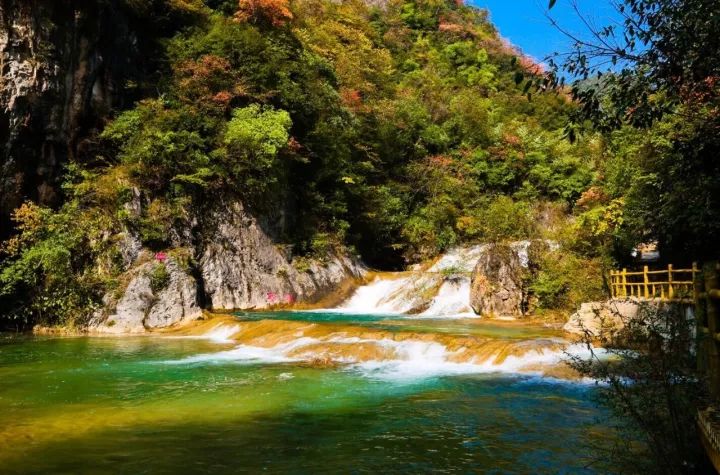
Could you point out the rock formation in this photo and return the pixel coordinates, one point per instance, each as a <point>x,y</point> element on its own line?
<point>497,283</point>
<point>148,305</point>
<point>237,265</point>
<point>242,267</point>
<point>597,318</point>
<point>63,66</point>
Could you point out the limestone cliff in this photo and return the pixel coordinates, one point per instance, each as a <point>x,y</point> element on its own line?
<point>234,264</point>
<point>499,280</point>
<point>63,66</point>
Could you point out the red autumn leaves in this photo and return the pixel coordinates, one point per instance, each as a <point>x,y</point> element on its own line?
<point>274,12</point>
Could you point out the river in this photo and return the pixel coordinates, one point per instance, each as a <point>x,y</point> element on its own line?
<point>298,392</point>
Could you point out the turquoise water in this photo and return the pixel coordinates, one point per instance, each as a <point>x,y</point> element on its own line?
<point>130,405</point>
<point>394,322</point>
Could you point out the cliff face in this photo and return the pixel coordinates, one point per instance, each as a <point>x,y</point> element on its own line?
<point>230,262</point>
<point>63,66</point>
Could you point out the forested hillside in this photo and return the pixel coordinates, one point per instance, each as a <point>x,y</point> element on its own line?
<point>394,130</point>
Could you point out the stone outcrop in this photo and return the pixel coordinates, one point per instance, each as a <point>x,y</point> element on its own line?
<point>497,283</point>
<point>598,318</point>
<point>243,268</point>
<point>235,265</point>
<point>141,307</point>
<point>64,66</point>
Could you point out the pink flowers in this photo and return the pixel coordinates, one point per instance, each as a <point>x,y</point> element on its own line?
<point>273,298</point>
<point>161,256</point>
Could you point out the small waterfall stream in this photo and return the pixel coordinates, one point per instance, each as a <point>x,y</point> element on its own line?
<point>440,291</point>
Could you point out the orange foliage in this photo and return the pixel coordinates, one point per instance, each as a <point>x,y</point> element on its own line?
<point>440,161</point>
<point>276,12</point>
<point>530,65</point>
<point>512,140</point>
<point>209,78</point>
<point>351,98</point>
<point>222,97</point>
<point>592,196</point>
<point>446,27</point>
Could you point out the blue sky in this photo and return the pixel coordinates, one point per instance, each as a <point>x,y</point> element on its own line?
<point>523,22</point>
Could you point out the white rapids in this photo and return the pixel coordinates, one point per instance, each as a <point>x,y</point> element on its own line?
<point>441,291</point>
<point>395,358</point>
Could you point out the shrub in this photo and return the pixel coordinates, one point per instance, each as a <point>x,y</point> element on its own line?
<point>159,278</point>
<point>653,391</point>
<point>501,220</point>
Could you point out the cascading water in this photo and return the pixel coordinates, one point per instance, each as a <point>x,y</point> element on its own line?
<point>366,342</point>
<point>384,354</point>
<point>442,290</point>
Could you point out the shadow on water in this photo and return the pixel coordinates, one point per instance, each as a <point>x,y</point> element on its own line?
<point>467,425</point>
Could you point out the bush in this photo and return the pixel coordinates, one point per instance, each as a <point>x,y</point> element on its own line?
<point>159,278</point>
<point>501,220</point>
<point>653,390</point>
<point>564,280</point>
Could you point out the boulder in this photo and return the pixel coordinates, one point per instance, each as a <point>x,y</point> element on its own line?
<point>141,308</point>
<point>598,318</point>
<point>497,283</point>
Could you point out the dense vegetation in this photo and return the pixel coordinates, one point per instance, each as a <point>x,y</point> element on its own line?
<point>396,130</point>
<point>651,85</point>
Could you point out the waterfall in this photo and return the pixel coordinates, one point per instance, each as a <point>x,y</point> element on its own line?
<point>386,354</point>
<point>440,291</point>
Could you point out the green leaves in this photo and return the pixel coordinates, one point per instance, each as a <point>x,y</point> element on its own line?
<point>551,4</point>
<point>260,133</point>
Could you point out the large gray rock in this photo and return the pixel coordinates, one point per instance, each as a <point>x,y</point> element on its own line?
<point>596,319</point>
<point>242,268</point>
<point>497,283</point>
<point>141,308</point>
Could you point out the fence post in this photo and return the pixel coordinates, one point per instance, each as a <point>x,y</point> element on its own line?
<point>711,311</point>
<point>646,292</point>
<point>701,332</point>
<point>670,282</point>
<point>624,282</point>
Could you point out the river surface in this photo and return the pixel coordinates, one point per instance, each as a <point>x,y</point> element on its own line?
<point>297,392</point>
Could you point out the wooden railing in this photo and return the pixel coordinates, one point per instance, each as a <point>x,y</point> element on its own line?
<point>707,318</point>
<point>665,284</point>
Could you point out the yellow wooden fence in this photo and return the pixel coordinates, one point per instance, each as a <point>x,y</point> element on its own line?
<point>664,284</point>
<point>707,317</point>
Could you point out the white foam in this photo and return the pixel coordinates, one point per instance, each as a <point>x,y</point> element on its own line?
<point>381,296</point>
<point>221,333</point>
<point>250,354</point>
<point>452,300</point>
<point>408,359</point>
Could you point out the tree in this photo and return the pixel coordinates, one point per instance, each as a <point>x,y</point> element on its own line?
<point>650,383</point>
<point>659,72</point>
<point>275,12</point>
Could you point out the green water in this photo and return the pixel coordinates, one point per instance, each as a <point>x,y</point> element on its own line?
<point>130,405</point>
<point>394,322</point>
